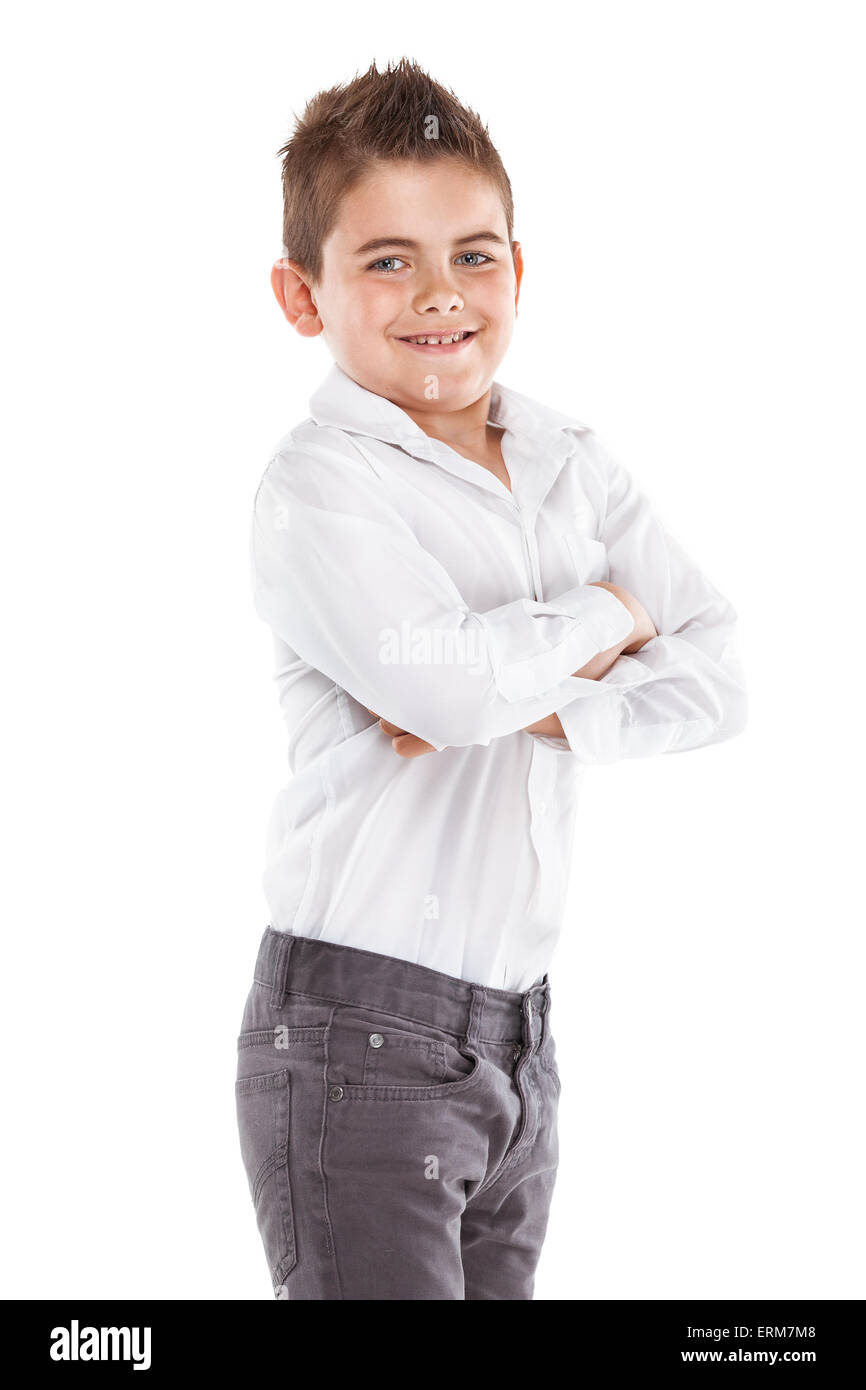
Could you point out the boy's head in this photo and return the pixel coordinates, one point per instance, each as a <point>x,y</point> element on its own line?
<point>397,223</point>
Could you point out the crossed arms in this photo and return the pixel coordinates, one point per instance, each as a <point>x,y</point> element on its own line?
<point>409,745</point>
<point>336,565</point>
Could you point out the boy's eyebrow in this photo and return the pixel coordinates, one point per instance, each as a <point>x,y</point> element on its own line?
<point>378,242</point>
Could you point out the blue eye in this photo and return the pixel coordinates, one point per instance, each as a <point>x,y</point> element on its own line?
<point>387,264</point>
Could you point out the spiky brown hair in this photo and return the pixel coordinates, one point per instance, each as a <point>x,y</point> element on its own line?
<point>377,116</point>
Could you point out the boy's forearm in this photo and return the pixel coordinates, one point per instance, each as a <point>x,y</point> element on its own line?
<point>551,725</point>
<point>410,745</point>
<point>596,667</point>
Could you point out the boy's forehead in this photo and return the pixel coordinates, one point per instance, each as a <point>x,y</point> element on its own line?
<point>430,202</point>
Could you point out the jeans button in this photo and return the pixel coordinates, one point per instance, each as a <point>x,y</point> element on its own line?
<point>335,1093</point>
<point>376,1040</point>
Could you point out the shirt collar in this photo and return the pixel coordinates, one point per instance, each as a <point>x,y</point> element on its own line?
<point>341,402</point>
<point>539,441</point>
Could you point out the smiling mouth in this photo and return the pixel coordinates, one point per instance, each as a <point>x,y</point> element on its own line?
<point>439,339</point>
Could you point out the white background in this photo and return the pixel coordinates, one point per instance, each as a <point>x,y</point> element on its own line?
<point>689,196</point>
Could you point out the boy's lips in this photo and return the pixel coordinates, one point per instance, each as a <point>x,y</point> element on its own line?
<point>438,348</point>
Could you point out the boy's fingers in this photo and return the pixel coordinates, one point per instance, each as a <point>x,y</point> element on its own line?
<point>391,729</point>
<point>388,728</point>
<point>410,746</point>
<point>406,744</point>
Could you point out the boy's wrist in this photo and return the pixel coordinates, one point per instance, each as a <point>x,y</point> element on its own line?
<point>644,628</point>
<point>550,725</point>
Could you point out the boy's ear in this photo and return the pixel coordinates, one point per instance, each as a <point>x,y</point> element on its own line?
<point>295,298</point>
<point>517,256</point>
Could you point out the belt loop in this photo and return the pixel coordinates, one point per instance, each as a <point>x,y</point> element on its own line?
<point>476,1009</point>
<point>526,1010</point>
<point>281,969</point>
<point>545,1013</point>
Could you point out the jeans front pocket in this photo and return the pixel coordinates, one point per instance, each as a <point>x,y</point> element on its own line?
<point>264,1116</point>
<point>383,1055</point>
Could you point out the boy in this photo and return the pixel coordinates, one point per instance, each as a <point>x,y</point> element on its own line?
<point>470,601</point>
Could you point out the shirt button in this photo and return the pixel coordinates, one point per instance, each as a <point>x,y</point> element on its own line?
<point>516,1051</point>
<point>376,1040</point>
<point>542,807</point>
<point>335,1093</point>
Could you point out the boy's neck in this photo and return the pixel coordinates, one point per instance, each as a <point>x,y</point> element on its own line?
<point>466,432</point>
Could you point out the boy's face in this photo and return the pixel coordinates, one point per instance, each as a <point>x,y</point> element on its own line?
<point>441,263</point>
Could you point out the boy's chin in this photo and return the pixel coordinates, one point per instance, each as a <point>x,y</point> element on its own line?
<point>421,383</point>
<point>448,395</point>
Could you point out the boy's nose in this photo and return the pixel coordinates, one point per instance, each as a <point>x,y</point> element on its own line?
<point>438,297</point>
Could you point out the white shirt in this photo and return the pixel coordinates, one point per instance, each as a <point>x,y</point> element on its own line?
<point>400,577</point>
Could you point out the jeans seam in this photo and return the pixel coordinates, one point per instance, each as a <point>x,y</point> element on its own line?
<point>330,1244</point>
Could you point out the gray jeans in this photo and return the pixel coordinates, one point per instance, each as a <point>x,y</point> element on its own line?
<point>397,1126</point>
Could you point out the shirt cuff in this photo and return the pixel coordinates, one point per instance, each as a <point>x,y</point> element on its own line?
<point>593,727</point>
<point>600,612</point>
<point>576,625</point>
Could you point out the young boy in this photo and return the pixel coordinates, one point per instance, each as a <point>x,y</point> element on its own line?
<point>470,600</point>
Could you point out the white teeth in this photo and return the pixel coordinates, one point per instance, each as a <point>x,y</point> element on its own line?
<point>442,338</point>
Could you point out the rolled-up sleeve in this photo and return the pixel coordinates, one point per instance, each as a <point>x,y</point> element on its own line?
<point>686,687</point>
<point>340,576</point>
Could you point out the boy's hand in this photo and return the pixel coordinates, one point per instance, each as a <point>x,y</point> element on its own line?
<point>406,744</point>
<point>550,725</point>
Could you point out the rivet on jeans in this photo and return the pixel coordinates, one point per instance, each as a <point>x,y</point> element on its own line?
<point>335,1093</point>
<point>376,1040</point>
